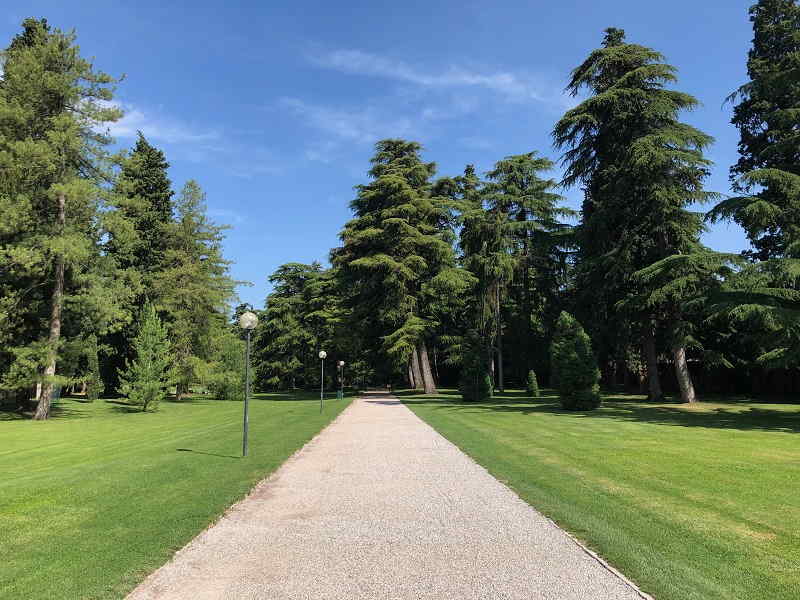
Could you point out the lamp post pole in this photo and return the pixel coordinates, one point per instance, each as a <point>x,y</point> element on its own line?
<point>248,322</point>
<point>341,379</point>
<point>246,396</point>
<point>322,356</point>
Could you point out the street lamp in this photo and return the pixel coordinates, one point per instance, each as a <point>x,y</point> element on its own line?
<point>248,322</point>
<point>341,379</point>
<point>322,356</point>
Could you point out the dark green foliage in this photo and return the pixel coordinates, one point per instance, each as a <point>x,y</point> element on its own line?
<point>532,384</point>
<point>395,256</point>
<point>94,383</point>
<point>574,365</point>
<point>475,383</point>
<point>768,118</point>
<point>150,374</point>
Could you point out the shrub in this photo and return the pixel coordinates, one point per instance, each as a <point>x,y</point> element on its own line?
<point>532,385</point>
<point>574,366</point>
<point>475,383</point>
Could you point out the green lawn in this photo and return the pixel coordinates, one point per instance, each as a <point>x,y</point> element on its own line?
<point>96,498</point>
<point>699,502</point>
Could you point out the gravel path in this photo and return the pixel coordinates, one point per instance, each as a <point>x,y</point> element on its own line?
<point>381,506</point>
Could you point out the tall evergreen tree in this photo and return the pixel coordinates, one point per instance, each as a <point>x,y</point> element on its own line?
<point>768,118</point>
<point>53,165</point>
<point>765,298</point>
<point>642,168</point>
<point>392,251</point>
<point>517,190</point>
<point>193,286</point>
<point>143,195</point>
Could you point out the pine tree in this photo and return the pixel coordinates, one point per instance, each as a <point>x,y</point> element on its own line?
<point>642,168</point>
<point>53,166</point>
<point>147,378</point>
<point>143,196</point>
<point>193,286</point>
<point>574,366</point>
<point>398,242</point>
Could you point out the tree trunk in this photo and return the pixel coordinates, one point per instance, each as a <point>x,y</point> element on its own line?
<point>428,384</point>
<point>181,390</point>
<point>416,373</point>
<point>410,375</point>
<point>56,303</point>
<point>649,342</point>
<point>682,374</point>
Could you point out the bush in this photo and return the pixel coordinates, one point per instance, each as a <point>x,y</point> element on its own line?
<point>532,386</point>
<point>475,383</point>
<point>574,366</point>
<point>146,379</point>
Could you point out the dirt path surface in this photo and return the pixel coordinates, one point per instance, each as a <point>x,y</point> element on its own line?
<point>381,506</point>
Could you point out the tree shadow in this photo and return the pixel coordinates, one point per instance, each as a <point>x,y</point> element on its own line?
<point>206,453</point>
<point>732,415</point>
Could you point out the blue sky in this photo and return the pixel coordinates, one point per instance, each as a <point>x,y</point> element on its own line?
<point>274,106</point>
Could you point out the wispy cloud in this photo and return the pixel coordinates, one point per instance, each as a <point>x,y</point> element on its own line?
<point>364,125</point>
<point>157,127</point>
<point>513,86</point>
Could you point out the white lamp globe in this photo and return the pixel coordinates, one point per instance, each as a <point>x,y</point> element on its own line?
<point>323,354</point>
<point>248,320</point>
<point>341,363</point>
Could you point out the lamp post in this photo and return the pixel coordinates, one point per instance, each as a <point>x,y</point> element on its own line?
<point>341,379</point>
<point>322,356</point>
<point>248,322</point>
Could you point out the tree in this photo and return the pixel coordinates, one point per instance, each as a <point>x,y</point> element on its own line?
<point>151,373</point>
<point>684,286</point>
<point>193,286</point>
<point>301,318</point>
<point>94,383</point>
<point>764,297</point>
<point>768,118</point>
<point>142,194</point>
<point>532,384</point>
<point>475,381</point>
<point>534,238</point>
<point>53,165</point>
<point>642,168</point>
<point>393,248</point>
<point>574,365</point>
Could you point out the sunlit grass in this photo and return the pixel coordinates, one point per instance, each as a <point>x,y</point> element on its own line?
<point>96,498</point>
<point>691,502</point>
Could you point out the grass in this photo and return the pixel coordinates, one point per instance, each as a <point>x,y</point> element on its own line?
<point>96,498</point>
<point>691,502</point>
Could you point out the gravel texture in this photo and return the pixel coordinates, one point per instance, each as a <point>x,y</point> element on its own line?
<point>379,505</point>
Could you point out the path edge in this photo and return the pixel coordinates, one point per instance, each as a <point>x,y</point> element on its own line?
<point>265,481</point>
<point>588,551</point>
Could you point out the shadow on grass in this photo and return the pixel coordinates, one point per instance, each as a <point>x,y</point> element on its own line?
<point>736,415</point>
<point>206,453</point>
